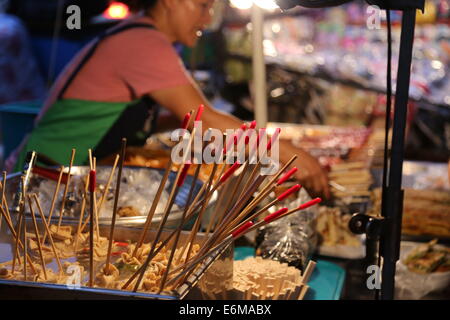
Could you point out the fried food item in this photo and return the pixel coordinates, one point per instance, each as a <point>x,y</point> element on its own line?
<point>62,233</point>
<point>107,279</point>
<point>128,212</point>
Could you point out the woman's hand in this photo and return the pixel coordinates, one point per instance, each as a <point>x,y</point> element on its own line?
<point>310,173</point>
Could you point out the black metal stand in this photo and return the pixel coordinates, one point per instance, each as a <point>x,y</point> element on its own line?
<point>388,228</point>
<point>392,208</point>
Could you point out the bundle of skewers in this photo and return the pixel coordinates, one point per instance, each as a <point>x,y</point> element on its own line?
<point>165,263</point>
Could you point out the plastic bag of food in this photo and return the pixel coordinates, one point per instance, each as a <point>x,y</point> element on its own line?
<point>292,239</point>
<point>422,269</point>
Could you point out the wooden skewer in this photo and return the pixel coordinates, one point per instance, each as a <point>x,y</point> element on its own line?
<point>50,237</point>
<point>92,184</point>
<point>16,243</point>
<point>36,232</point>
<point>232,226</point>
<point>16,237</point>
<point>91,167</point>
<point>218,207</point>
<point>66,189</point>
<point>227,206</point>
<point>2,184</point>
<point>91,162</point>
<point>105,193</point>
<point>4,202</point>
<point>181,175</point>
<point>303,292</point>
<point>55,195</point>
<point>308,271</point>
<point>198,221</point>
<point>25,245</point>
<point>172,253</point>
<point>116,201</point>
<point>22,215</point>
<point>248,227</point>
<point>223,180</point>
<point>232,214</point>
<point>270,186</point>
<point>176,187</point>
<point>80,219</point>
<point>96,225</point>
<point>190,214</point>
<point>153,207</point>
<point>186,207</point>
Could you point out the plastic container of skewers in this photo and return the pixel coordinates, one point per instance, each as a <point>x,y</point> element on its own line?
<point>66,271</point>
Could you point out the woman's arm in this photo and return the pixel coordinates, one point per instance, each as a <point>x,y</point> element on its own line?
<point>182,99</point>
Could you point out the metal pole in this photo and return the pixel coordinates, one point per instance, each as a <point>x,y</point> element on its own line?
<point>259,67</point>
<point>393,208</point>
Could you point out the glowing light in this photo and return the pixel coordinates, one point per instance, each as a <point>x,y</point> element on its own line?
<point>242,4</point>
<point>117,10</point>
<point>266,4</point>
<point>247,4</point>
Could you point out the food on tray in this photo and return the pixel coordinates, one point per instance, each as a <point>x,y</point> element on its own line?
<point>428,258</point>
<point>141,157</point>
<point>257,278</point>
<point>128,212</point>
<point>425,212</point>
<point>71,249</point>
<point>139,189</point>
<point>332,225</point>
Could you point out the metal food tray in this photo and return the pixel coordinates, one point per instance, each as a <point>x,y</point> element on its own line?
<point>14,182</point>
<point>212,280</point>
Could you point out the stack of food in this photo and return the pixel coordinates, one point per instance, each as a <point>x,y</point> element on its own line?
<point>425,212</point>
<point>351,180</point>
<point>264,279</point>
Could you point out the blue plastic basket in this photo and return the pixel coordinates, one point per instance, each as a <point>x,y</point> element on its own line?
<point>16,120</point>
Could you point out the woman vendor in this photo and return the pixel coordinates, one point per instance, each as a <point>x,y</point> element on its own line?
<point>112,88</point>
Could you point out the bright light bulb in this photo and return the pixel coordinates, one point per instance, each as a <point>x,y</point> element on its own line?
<point>266,4</point>
<point>247,4</point>
<point>117,10</point>
<point>242,4</point>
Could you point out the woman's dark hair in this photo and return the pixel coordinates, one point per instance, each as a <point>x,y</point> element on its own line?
<point>137,5</point>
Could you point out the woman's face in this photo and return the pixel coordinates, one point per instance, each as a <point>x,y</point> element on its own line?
<point>190,17</point>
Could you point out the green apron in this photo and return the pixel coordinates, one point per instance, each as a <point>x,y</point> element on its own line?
<point>69,124</point>
<point>83,124</point>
